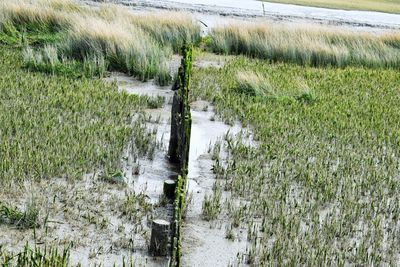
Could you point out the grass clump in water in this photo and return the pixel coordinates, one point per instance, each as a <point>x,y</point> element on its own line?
<point>135,206</point>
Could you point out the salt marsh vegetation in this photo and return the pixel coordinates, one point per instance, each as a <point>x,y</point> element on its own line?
<point>63,181</point>
<point>323,177</point>
<point>59,127</point>
<point>307,45</point>
<point>109,37</point>
<point>314,168</point>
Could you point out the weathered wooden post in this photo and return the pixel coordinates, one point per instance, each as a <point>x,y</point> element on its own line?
<point>175,122</point>
<point>169,188</point>
<point>181,124</point>
<point>159,238</point>
<point>181,120</point>
<point>178,151</point>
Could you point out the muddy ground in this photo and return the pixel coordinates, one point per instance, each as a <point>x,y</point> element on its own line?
<point>92,214</point>
<point>217,12</point>
<point>107,222</point>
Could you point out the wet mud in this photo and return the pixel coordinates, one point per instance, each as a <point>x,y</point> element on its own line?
<point>218,12</point>
<point>95,217</point>
<point>200,237</point>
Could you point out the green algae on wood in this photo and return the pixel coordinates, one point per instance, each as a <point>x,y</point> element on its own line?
<point>181,124</point>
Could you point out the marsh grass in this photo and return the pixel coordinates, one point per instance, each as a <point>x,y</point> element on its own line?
<point>19,36</point>
<point>95,65</point>
<point>125,47</point>
<point>39,257</point>
<point>211,206</point>
<point>37,15</point>
<point>135,206</point>
<point>144,138</point>
<point>321,178</point>
<point>140,45</point>
<point>175,32</point>
<point>155,102</point>
<point>60,127</point>
<point>47,60</point>
<point>22,219</point>
<point>255,84</point>
<point>306,45</point>
<point>57,128</point>
<point>168,28</point>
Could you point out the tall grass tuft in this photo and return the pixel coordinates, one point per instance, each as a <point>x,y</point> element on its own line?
<point>45,59</point>
<point>127,49</point>
<point>38,14</point>
<point>168,28</point>
<point>315,46</point>
<point>138,44</point>
<point>175,32</point>
<point>256,84</point>
<point>95,65</point>
<point>253,84</point>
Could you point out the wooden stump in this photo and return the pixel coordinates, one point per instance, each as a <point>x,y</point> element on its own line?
<point>159,238</point>
<point>169,188</point>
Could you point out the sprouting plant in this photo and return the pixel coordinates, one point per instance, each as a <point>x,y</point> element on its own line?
<point>24,219</point>
<point>218,169</point>
<point>41,257</point>
<point>229,233</point>
<point>135,206</point>
<point>155,102</point>
<point>216,150</point>
<point>212,204</point>
<point>113,177</point>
